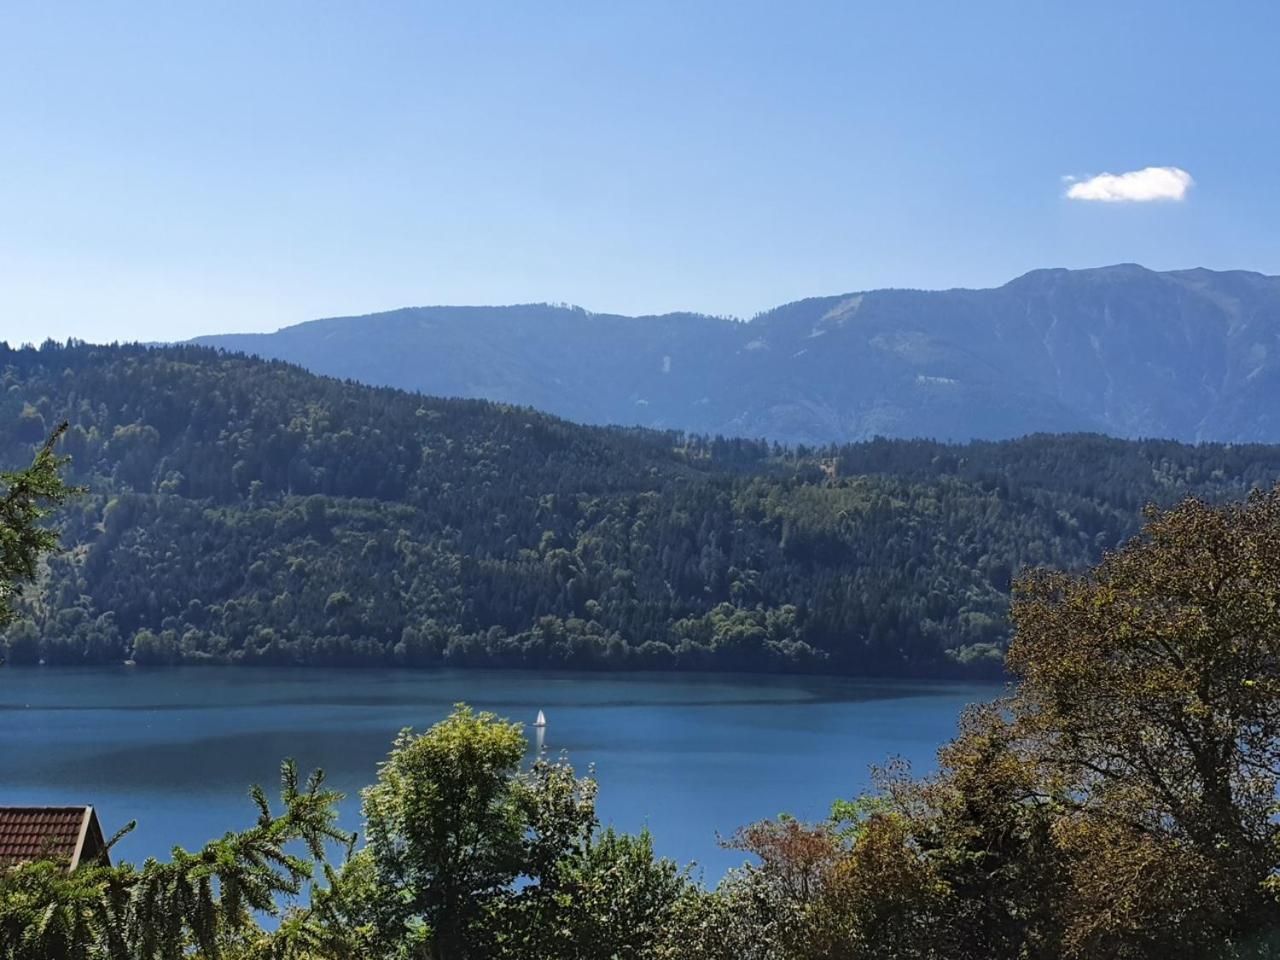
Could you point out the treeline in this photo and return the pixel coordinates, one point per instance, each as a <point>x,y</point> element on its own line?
<point>238,510</point>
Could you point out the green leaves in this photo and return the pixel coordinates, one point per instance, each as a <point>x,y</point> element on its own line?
<point>163,910</point>
<point>443,826</point>
<point>471,856</point>
<point>28,497</point>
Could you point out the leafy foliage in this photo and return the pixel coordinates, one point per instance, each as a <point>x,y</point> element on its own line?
<point>445,831</point>
<point>1152,707</point>
<point>201,901</point>
<point>27,497</point>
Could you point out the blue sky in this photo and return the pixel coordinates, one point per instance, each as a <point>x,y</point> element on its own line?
<point>174,169</point>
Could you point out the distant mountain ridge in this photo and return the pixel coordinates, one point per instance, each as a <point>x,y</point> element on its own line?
<point>1189,354</point>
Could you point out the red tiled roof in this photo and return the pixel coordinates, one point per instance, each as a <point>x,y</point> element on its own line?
<point>39,833</point>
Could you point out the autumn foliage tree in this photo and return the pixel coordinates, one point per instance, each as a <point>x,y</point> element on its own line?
<point>1150,707</point>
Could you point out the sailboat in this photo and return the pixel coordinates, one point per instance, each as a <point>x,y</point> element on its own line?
<point>541,721</point>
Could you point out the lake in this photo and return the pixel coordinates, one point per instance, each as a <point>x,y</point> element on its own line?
<point>686,755</point>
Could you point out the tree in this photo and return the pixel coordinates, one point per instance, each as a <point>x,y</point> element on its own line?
<point>470,856</point>
<point>444,830</point>
<point>28,497</point>
<point>961,865</point>
<point>621,899</point>
<point>1150,706</point>
<point>1122,801</point>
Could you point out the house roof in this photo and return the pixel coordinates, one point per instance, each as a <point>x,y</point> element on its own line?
<point>42,833</point>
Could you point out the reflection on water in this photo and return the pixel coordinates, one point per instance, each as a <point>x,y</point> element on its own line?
<point>687,755</point>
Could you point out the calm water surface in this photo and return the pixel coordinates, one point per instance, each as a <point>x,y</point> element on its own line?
<point>688,755</point>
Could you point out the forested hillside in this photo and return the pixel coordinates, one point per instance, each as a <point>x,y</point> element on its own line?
<point>247,511</point>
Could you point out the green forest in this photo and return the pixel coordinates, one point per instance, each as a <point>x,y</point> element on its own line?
<point>236,510</point>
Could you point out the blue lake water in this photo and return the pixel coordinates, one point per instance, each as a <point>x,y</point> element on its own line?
<point>689,756</point>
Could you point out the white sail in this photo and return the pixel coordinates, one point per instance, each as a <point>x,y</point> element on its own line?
<point>541,721</point>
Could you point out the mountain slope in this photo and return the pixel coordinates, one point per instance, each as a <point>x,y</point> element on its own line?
<point>246,511</point>
<point>1191,355</point>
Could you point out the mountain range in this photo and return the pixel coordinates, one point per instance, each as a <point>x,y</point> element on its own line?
<point>1192,355</point>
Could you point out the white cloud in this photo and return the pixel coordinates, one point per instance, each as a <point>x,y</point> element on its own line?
<point>1136,186</point>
